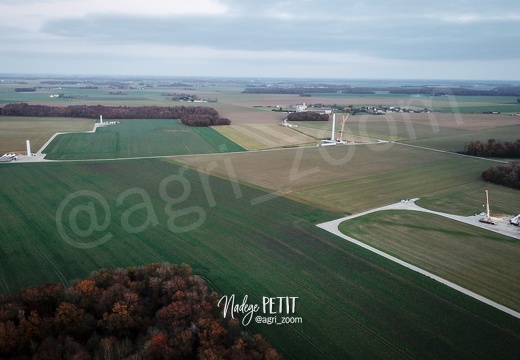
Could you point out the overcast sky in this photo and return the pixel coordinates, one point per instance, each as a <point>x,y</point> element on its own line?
<point>407,39</point>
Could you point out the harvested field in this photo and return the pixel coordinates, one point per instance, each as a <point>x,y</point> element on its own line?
<point>383,187</point>
<point>315,166</point>
<point>239,116</point>
<point>238,137</point>
<point>440,131</point>
<point>352,178</point>
<point>435,120</point>
<point>255,137</point>
<point>14,130</point>
<point>324,132</point>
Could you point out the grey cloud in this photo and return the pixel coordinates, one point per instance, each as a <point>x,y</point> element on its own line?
<point>386,30</point>
<point>414,38</point>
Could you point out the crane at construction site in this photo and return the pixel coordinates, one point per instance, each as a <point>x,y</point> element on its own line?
<point>343,122</point>
<point>488,219</point>
<point>333,140</point>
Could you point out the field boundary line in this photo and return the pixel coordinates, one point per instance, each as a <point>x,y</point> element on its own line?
<point>40,155</point>
<point>449,152</point>
<point>332,227</point>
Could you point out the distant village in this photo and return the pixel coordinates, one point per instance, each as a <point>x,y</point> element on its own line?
<point>379,110</point>
<point>182,97</point>
<point>373,110</point>
<point>72,96</point>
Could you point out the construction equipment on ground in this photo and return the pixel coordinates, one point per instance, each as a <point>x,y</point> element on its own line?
<point>488,219</point>
<point>343,122</point>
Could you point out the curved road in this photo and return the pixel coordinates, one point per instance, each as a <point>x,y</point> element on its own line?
<point>332,227</point>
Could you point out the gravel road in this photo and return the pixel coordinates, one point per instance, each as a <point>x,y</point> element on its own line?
<point>502,228</point>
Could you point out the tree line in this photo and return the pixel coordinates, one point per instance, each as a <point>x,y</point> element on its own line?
<point>290,90</point>
<point>307,116</point>
<point>411,90</point>
<point>308,90</point>
<point>493,148</point>
<point>158,311</point>
<point>188,115</point>
<point>506,174</point>
<point>458,91</point>
<point>25,89</point>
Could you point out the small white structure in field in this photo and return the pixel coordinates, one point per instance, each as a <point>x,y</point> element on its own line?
<point>28,144</point>
<point>101,119</point>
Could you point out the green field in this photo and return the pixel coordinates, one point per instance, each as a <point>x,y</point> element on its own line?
<point>477,104</point>
<point>88,96</point>
<point>256,235</point>
<point>479,260</point>
<point>139,138</point>
<point>354,304</point>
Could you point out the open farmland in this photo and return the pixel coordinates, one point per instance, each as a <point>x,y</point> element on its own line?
<point>255,137</point>
<point>348,298</point>
<point>360,177</point>
<point>248,115</point>
<point>442,131</point>
<point>138,138</point>
<point>470,198</point>
<point>442,173</point>
<point>479,260</point>
<point>246,222</point>
<point>303,168</point>
<point>15,130</point>
<point>477,104</point>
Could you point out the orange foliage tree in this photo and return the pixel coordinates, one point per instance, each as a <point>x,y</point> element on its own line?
<point>159,311</point>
